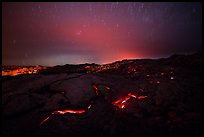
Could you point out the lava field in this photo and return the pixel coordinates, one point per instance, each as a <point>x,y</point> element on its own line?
<point>128,97</point>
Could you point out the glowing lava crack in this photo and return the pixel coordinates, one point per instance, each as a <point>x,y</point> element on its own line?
<point>121,102</point>
<point>62,112</point>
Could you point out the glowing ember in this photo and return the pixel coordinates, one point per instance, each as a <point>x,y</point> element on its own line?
<point>89,106</point>
<point>123,106</point>
<point>108,88</point>
<point>162,74</point>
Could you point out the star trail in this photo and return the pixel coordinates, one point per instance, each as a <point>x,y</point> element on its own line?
<point>42,33</point>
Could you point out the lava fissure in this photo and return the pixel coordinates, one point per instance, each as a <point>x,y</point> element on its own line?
<point>62,112</point>
<point>120,103</point>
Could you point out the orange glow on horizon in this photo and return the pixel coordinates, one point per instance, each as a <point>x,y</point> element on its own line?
<point>21,70</point>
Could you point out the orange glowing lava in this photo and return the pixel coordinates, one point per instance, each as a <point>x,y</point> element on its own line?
<point>142,97</point>
<point>122,106</point>
<point>121,102</point>
<point>62,112</point>
<point>69,111</point>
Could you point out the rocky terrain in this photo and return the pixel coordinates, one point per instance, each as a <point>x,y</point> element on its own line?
<point>129,97</point>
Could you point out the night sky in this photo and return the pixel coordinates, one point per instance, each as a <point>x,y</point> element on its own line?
<point>72,33</point>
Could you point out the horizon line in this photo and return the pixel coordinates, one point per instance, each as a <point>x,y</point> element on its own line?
<point>151,58</point>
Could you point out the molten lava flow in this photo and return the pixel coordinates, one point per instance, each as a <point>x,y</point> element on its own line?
<point>62,112</point>
<point>95,88</point>
<point>162,74</point>
<point>148,76</point>
<point>132,95</point>
<point>69,111</point>
<point>121,102</point>
<point>158,82</point>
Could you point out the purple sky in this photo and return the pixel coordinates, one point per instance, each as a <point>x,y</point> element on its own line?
<point>72,33</point>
